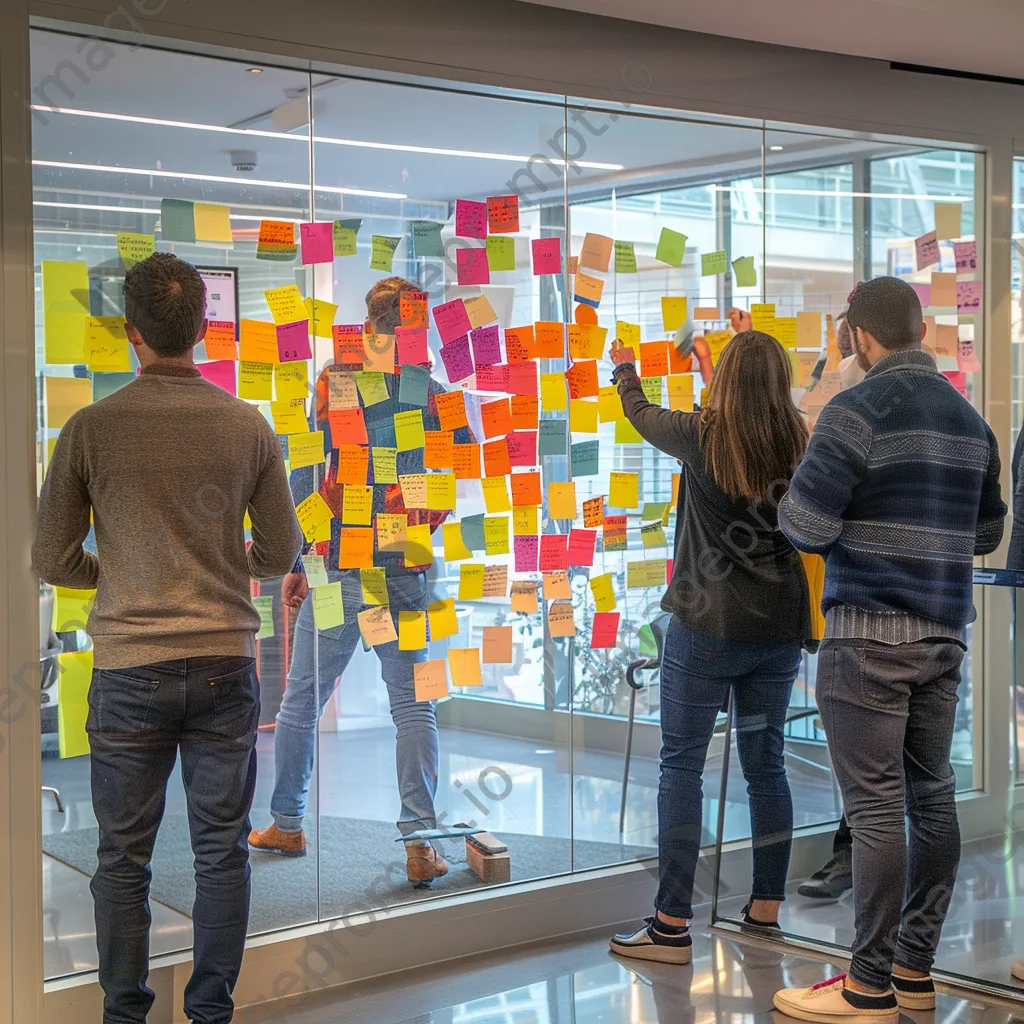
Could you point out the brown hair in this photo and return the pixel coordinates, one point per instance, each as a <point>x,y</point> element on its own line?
<point>165,298</point>
<point>750,432</point>
<point>383,303</point>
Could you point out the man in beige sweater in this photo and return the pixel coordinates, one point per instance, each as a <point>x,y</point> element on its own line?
<point>169,465</point>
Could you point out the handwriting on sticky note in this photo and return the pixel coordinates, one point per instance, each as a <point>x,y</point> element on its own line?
<point>276,240</point>
<point>377,626</point>
<point>344,232</point>
<point>650,573</point>
<point>605,630</point>
<point>596,252</point>
<point>382,252</point>
<point>465,666</point>
<point>286,305</point>
<point>472,267</point>
<point>328,609</point>
<point>430,679</point>
<point>503,213</point>
<point>926,249</point>
<point>712,263</point>
<point>134,248</point>
<point>547,255</point>
<point>497,645</point>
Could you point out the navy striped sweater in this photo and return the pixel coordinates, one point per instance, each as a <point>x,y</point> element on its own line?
<point>899,490</point>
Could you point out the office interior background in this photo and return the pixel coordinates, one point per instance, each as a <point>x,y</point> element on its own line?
<point>647,130</point>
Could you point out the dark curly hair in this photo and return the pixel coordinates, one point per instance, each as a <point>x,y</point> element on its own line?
<point>165,300</point>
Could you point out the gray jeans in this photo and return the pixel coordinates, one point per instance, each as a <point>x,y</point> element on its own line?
<point>888,712</point>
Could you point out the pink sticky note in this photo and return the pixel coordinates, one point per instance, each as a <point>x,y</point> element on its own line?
<point>924,292</point>
<point>966,256</point>
<point>958,379</point>
<point>968,296</point>
<point>486,347</point>
<point>967,361</point>
<point>451,319</point>
<point>220,372</point>
<point>492,378</point>
<point>293,341</point>
<point>927,250</point>
<point>472,266</point>
<point>470,219</point>
<point>522,378</point>
<point>317,242</point>
<point>552,552</point>
<point>412,344</point>
<point>522,448</point>
<point>581,547</point>
<point>547,256</point>
<point>605,631</point>
<point>457,360</point>
<point>525,549</point>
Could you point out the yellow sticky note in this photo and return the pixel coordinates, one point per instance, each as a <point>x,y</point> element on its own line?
<point>256,381</point>
<point>808,329</point>
<point>762,317</point>
<point>680,392</point>
<point>443,620</point>
<point>71,608</point>
<point>357,507</point>
<point>372,387</point>
<point>374,586</point>
<point>419,548</point>
<point>320,314</point>
<point>306,449</point>
<point>496,497</point>
<point>213,224</point>
<point>609,405</point>
<point>75,678</point>
<point>414,489</point>
<point>441,492</point>
<point>385,469</point>
<point>673,312</point>
<point>258,342</point>
<point>312,512</point>
<point>562,500</point>
<point>465,666</point>
<point>454,546</point>
<point>628,334</point>
<point>583,416</point>
<point>409,430</point>
<point>106,344</point>
<point>291,380</point>
<point>524,597</point>
<point>65,305</point>
<point>785,332</point>
<point>646,574</point>
<point>328,609</point>
<point>286,305</point>
<point>553,392</point>
<point>64,397</point>
<point>391,531</point>
<point>471,582</point>
<point>525,519</point>
<point>496,535</point>
<point>134,248</point>
<point>430,679</point>
<point>289,417</point>
<point>626,433</point>
<point>560,619</point>
<point>412,631</point>
<point>603,589</point>
<point>376,625</point>
<point>624,490</point>
<point>480,311</point>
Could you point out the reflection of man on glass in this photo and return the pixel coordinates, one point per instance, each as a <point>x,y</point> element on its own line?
<point>310,682</point>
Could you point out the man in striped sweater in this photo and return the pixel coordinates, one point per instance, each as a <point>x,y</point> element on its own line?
<point>898,490</point>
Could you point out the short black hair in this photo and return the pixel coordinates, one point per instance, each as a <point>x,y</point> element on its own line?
<point>889,310</point>
<point>165,299</point>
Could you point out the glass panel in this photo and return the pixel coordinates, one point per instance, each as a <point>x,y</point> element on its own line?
<point>121,143</point>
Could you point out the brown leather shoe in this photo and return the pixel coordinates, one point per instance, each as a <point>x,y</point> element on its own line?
<point>423,864</point>
<point>273,840</point>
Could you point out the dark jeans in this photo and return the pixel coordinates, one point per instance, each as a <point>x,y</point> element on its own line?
<point>139,719</point>
<point>696,676</point>
<point>888,712</point>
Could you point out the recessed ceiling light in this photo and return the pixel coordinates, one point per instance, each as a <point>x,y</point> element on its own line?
<point>775,149</point>
<point>255,71</point>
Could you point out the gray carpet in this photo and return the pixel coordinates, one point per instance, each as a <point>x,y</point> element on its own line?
<point>361,868</point>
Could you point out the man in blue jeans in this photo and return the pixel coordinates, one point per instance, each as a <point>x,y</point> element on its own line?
<point>308,691</point>
<point>898,490</point>
<point>168,466</point>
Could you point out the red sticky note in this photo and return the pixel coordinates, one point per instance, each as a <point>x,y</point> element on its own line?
<point>582,378</point>
<point>412,308</point>
<point>553,551</point>
<point>492,378</point>
<point>486,345</point>
<point>525,549</point>
<point>522,448</point>
<point>317,242</point>
<point>348,345</point>
<point>496,417</point>
<point>451,319</point>
<point>502,214</point>
<point>220,372</point>
<point>472,267</point>
<point>457,359</point>
<point>605,631</point>
<point>496,461</point>
<point>525,412</point>
<point>525,488</point>
<point>547,256</point>
<point>347,426</point>
<point>549,339</point>
<point>581,547</point>
<point>470,219</point>
<point>293,341</point>
<point>522,379</point>
<point>466,461</point>
<point>519,343</point>
<point>412,345</point>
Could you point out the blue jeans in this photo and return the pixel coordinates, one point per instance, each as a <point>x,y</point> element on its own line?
<point>696,676</point>
<point>309,691</point>
<point>139,719</point>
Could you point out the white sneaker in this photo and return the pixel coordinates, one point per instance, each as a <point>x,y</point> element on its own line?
<point>651,944</point>
<point>831,1002</point>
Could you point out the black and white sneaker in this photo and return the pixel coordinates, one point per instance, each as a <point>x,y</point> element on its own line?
<point>655,941</point>
<point>914,993</point>
<point>751,924</point>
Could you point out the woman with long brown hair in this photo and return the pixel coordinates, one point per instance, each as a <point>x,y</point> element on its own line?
<point>740,613</point>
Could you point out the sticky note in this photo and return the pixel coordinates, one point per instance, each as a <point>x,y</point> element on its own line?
<point>581,546</point>
<point>625,258</point>
<point>357,506</point>
<point>596,252</point>
<point>582,379</point>
<point>470,219</point>
<point>256,382</point>
<point>414,489</point>
<point>556,586</point>
<point>501,253</point>
<point>496,535</point>
<point>588,289</point>
<point>291,380</point>
<point>106,344</point>
<point>524,597</point>
<point>497,645</point>
<point>134,248</point>
<point>552,438</point>
<point>317,242</point>
<point>220,340</point>
<point>943,289</point>
<point>451,320</point>
<point>414,384</point>
<point>444,621</point>
<point>64,397</point>
<point>356,548</point>
<point>671,247</point>
<point>320,314</point>
<point>762,317</point>
<point>587,341</point>
<point>391,530</point>
<point>72,608</point>
<point>968,297</point>
<point>967,360</point>
<point>947,220</point>
<point>584,458</point>
<point>503,213</point>
<point>293,341</point>
<point>277,241</point>
<point>652,535</point>
<point>526,489</point>
<point>604,631</point>
<point>525,520</point>
<point>609,405</point>
<point>926,250</point>
<point>496,417</point>
<point>312,512</point>
<point>593,511</point>
<point>344,236</point>
<point>374,586</point>
<point>65,303</point>
<point>471,266</point>
<point>430,679</point>
<point>419,548</point>
<point>808,329</point>
<point>522,448</point>
<point>412,631</point>
<point>714,263</point>
<point>549,339</point>
<point>743,269</point>
<point>316,571</point>
<point>480,311</point>
<point>966,254</point>
<point>377,626</point>
<point>525,412</point>
<point>603,589</point>
<point>286,305</point>
<point>562,500</point>
<point>409,430</point>
<point>496,496</point>
<point>471,582</point>
<point>519,343</point>
<point>673,312</point>
<point>707,313</point>
<point>328,608</point>
<point>412,308</point>
<point>654,359</point>
<point>803,364</point>
<point>412,345</point>
<point>466,461</point>
<point>680,393</point>
<point>349,424</point>
<point>547,255</point>
<point>473,532</point>
<point>560,619</point>
<point>385,465</point>
<point>177,220</point>
<point>522,378</point>
<point>624,490</point>
<point>441,492</point>
<point>265,606</point>
<point>289,417</point>
<point>646,574</point>
<point>426,239</point>
<point>457,359</point>
<point>464,663</point>
<point>306,449</point>
<point>526,551</point>
<point>258,342</point>
<point>583,416</point>
<point>553,395</point>
<point>382,252</point>
<point>438,448</point>
<point>213,224</point>
<point>553,552</point>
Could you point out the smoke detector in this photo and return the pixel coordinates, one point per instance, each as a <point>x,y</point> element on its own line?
<point>243,160</point>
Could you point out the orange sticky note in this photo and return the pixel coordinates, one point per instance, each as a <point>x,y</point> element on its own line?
<point>496,460</point>
<point>526,489</point>
<point>582,378</point>
<point>347,424</point>
<point>596,252</point>
<point>556,586</point>
<point>497,645</point>
<point>451,410</point>
<point>525,412</point>
<point>560,620</point>
<point>519,343</point>
<point>377,626</point>
<point>562,500</point>
<point>549,339</point>
<point>496,418</point>
<point>430,679</point>
<point>654,358</point>
<point>356,548</point>
<point>524,597</point>
<point>444,622</point>
<point>465,665</point>
<point>352,461</point>
<point>593,511</point>
<point>220,340</point>
<point>258,342</point>
<point>437,449</point>
<point>466,461</point>
<point>677,362</point>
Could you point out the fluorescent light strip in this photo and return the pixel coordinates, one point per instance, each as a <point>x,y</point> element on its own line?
<point>105,209</point>
<point>395,147</point>
<point>148,172</point>
<point>840,194</point>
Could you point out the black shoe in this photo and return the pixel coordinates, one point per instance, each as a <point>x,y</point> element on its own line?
<point>834,879</point>
<point>750,924</point>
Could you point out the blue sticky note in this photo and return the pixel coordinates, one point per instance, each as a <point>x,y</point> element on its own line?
<point>413,385</point>
<point>552,437</point>
<point>177,220</point>
<point>584,458</point>
<point>104,384</point>
<point>473,532</point>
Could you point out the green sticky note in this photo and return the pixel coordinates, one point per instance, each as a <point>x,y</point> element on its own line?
<point>584,458</point>
<point>383,252</point>
<point>177,220</point>
<point>104,384</point>
<point>265,606</point>
<point>552,437</point>
<point>653,510</point>
<point>328,609</point>
<point>746,275</point>
<point>345,232</point>
<point>426,238</point>
<point>625,258</point>
<point>501,252</point>
<point>473,532</point>
<point>413,385</point>
<point>372,387</point>
<point>652,389</point>
<point>626,433</point>
<point>671,247</point>
<point>714,263</point>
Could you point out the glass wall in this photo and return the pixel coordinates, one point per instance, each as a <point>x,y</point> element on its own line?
<point>488,540</point>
